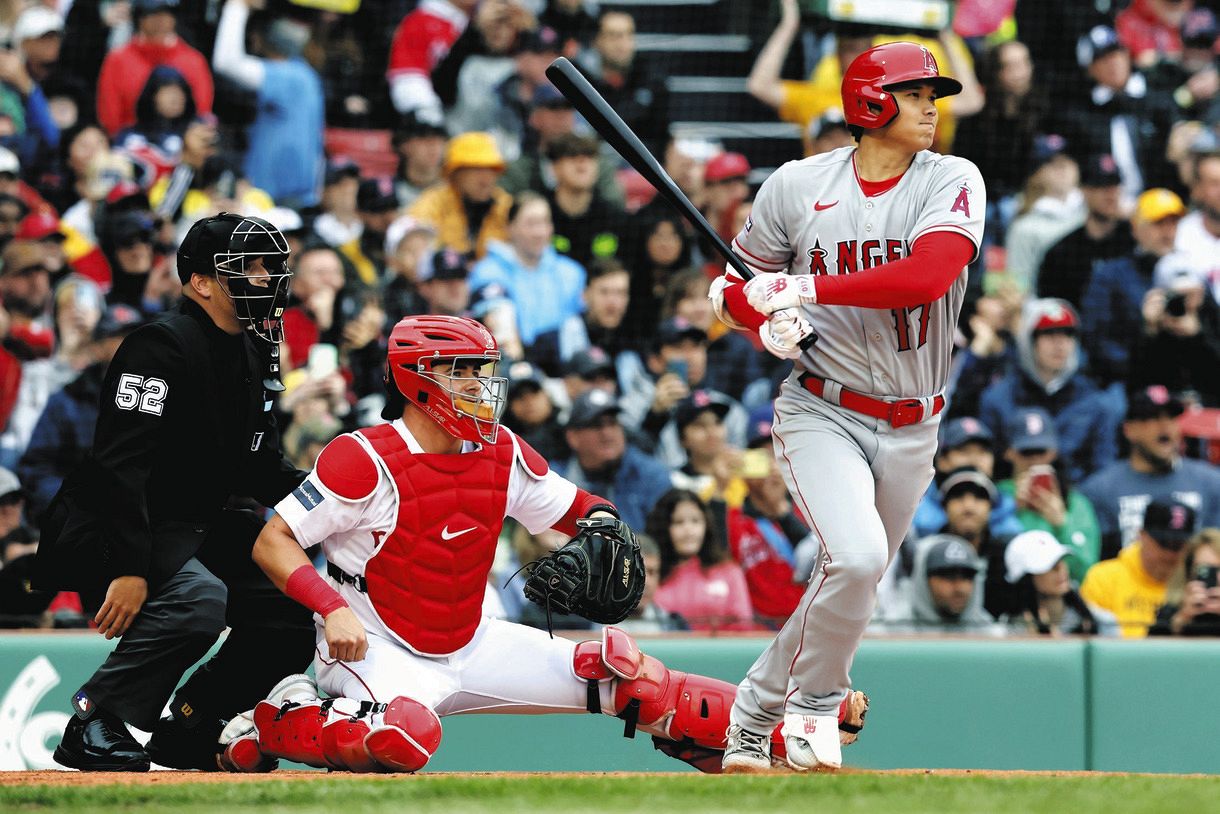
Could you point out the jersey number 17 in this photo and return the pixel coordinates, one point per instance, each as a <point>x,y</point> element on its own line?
<point>902,325</point>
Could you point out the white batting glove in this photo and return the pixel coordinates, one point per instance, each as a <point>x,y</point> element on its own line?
<point>771,292</point>
<point>783,333</point>
<point>716,295</point>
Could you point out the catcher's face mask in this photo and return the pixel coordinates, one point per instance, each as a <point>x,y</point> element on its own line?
<point>476,394</point>
<point>254,273</point>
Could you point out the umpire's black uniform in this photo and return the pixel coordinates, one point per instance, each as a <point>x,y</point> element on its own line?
<point>185,422</point>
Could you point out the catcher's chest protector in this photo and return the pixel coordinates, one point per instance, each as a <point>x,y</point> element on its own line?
<point>427,578</point>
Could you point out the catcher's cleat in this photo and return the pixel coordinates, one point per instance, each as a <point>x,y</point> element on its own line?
<point>851,716</point>
<point>746,752</point>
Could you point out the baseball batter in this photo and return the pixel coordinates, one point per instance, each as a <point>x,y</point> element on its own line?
<point>866,246</point>
<point>408,515</point>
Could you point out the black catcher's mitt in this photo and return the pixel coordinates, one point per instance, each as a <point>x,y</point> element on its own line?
<point>599,574</point>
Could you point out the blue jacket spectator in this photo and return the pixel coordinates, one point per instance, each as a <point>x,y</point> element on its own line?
<point>1111,311</point>
<point>604,463</point>
<point>63,434</point>
<point>1048,376</point>
<point>525,284</point>
<point>285,156</point>
<point>61,438</point>
<point>1154,471</point>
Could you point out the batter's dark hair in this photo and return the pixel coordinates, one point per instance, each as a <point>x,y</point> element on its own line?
<point>711,552</point>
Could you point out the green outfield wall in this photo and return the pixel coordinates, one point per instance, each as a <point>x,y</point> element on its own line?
<point>937,703</point>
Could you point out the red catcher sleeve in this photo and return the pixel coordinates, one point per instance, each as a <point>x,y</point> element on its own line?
<point>582,504</point>
<point>935,262</point>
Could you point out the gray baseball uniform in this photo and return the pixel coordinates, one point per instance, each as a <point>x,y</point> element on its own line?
<point>856,478</point>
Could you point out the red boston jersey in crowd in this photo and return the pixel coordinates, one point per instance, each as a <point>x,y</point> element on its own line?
<point>126,70</point>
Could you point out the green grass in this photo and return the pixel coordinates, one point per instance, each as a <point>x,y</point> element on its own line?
<point>544,794</point>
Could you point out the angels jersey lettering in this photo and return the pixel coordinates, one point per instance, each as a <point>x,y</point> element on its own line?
<point>896,352</point>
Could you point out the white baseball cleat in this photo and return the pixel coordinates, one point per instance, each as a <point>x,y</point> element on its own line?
<point>746,752</point>
<point>812,741</point>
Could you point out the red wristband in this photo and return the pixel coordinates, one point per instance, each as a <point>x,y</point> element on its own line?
<point>739,307</point>
<point>308,588</point>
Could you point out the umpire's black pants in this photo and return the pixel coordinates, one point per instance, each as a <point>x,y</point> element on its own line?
<point>270,636</point>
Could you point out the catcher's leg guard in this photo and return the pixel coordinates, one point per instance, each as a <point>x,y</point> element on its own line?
<point>239,739</point>
<point>688,714</point>
<point>293,730</point>
<point>356,736</point>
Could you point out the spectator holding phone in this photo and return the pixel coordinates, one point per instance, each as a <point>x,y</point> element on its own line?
<point>1192,598</point>
<point>699,433</point>
<point>1111,303</point>
<point>676,365</point>
<point>1045,500</point>
<point>1179,347</point>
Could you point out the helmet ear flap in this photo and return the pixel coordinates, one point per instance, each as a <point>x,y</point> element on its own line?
<point>874,107</point>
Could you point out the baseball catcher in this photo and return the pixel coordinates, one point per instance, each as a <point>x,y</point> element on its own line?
<point>408,514</point>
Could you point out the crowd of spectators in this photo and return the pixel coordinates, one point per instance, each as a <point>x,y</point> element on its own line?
<point>1074,492</point>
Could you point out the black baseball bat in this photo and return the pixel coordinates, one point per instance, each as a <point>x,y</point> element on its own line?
<point>598,113</point>
<point>585,98</point>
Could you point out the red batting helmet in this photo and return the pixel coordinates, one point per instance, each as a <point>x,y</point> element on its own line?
<point>867,101</point>
<point>467,408</point>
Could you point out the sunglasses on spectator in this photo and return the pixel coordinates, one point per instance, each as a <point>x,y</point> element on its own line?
<point>1030,453</point>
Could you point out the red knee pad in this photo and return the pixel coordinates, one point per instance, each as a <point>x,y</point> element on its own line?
<point>405,736</point>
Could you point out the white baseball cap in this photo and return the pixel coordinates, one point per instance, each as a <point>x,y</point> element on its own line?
<point>36,21</point>
<point>8,482</point>
<point>9,161</point>
<point>1180,271</point>
<point>402,227</point>
<point>1034,552</point>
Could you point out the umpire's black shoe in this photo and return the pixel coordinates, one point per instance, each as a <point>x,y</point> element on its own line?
<point>176,746</point>
<point>100,743</point>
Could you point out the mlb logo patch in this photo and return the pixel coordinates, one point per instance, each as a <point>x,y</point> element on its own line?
<point>308,495</point>
<point>82,704</point>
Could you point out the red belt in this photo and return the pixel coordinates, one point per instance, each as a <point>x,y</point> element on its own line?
<point>899,413</point>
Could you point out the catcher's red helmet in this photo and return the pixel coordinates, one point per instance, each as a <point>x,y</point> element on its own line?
<point>467,407</point>
<point>867,101</point>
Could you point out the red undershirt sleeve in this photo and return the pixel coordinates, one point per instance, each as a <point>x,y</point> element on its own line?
<point>935,261</point>
<point>583,503</point>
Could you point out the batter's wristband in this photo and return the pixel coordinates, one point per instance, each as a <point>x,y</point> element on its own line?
<point>306,586</point>
<point>739,307</point>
